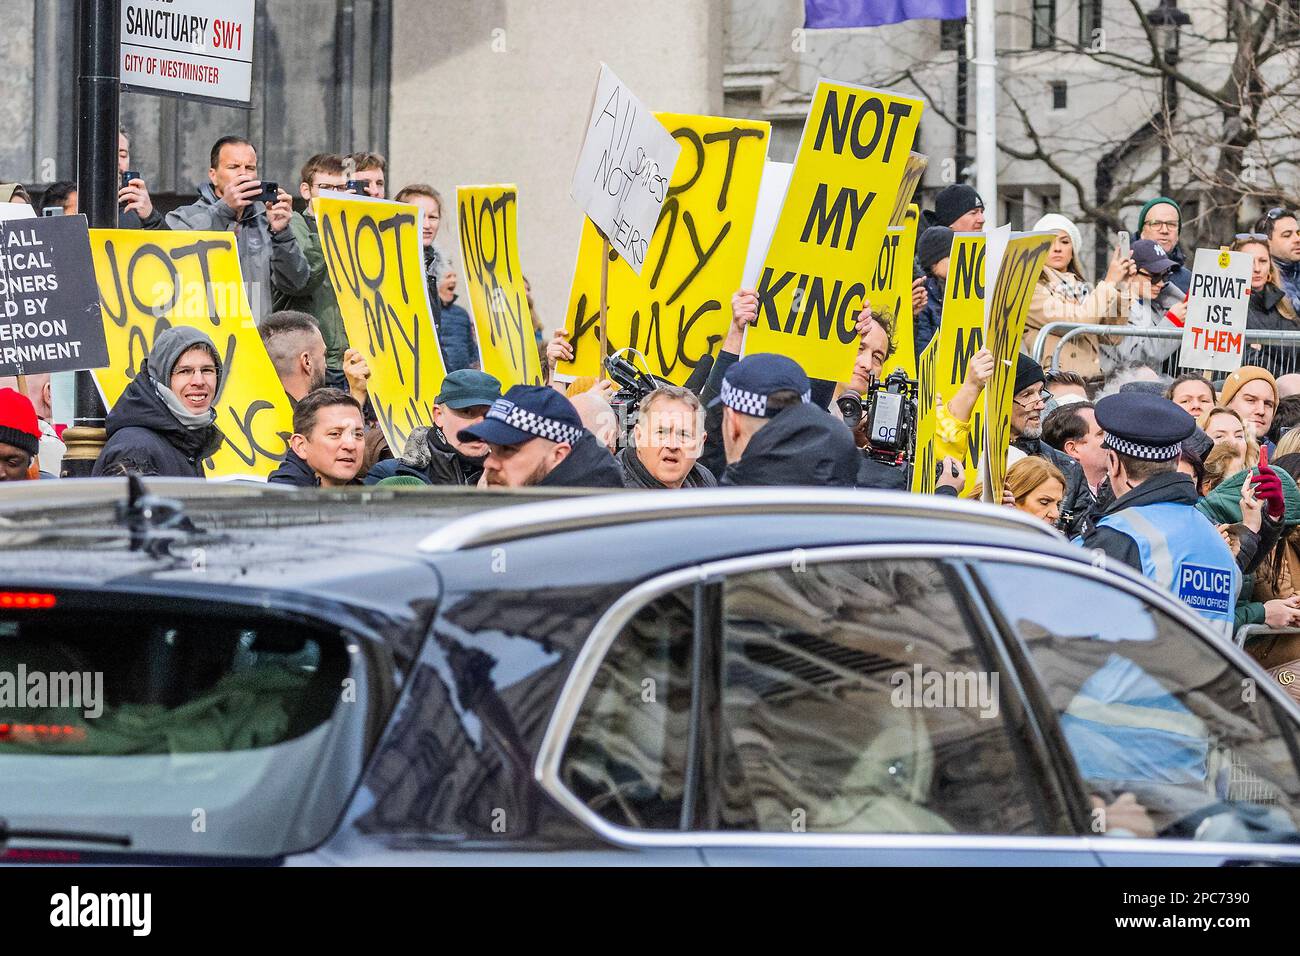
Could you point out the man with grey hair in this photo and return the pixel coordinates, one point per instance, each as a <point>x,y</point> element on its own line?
<point>666,443</point>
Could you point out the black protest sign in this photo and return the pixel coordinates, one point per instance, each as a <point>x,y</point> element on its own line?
<point>49,303</point>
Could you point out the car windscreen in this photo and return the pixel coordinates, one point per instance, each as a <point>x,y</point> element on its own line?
<point>184,729</point>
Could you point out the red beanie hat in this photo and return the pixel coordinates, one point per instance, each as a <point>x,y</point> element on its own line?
<point>19,425</point>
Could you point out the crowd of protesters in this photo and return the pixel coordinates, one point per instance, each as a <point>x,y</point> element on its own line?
<point>1103,433</point>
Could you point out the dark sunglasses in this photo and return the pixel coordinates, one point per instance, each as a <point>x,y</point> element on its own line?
<point>1277,212</point>
<point>1155,276</point>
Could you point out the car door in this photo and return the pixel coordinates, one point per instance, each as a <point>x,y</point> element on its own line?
<point>1183,752</point>
<point>831,706</point>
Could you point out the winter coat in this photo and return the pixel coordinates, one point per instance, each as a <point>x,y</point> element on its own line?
<point>1180,275</point>
<point>294,471</point>
<point>429,457</point>
<point>316,297</point>
<point>589,465</point>
<point>926,324</point>
<point>145,437</point>
<point>636,475</point>
<point>1078,500</point>
<point>1142,349</point>
<point>130,219</point>
<point>1064,297</point>
<point>456,338</point>
<point>1289,273</point>
<point>800,445</point>
<point>1223,506</point>
<point>270,262</point>
<point>1266,313</point>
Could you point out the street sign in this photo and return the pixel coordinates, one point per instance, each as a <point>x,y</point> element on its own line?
<point>195,49</point>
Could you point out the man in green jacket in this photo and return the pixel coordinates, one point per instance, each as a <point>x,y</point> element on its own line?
<point>323,171</point>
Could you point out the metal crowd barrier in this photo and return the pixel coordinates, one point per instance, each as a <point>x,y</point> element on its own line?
<point>1247,631</point>
<point>1281,358</point>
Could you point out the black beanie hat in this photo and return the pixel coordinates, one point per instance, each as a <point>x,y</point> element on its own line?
<point>1028,372</point>
<point>955,201</point>
<point>934,245</point>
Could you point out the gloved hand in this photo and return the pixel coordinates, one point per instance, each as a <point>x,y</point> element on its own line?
<point>1268,487</point>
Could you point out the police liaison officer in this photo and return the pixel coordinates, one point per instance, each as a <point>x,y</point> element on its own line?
<point>1153,524</point>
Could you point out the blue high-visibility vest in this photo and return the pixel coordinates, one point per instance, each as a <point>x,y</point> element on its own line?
<point>1183,553</point>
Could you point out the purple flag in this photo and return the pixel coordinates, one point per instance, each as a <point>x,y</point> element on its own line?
<point>828,14</point>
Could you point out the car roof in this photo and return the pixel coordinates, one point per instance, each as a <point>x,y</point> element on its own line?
<point>74,526</point>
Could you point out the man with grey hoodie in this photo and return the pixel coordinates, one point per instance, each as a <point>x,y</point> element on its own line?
<point>269,256</point>
<point>164,423</point>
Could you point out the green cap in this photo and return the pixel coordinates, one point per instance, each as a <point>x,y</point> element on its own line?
<point>398,481</point>
<point>468,387</point>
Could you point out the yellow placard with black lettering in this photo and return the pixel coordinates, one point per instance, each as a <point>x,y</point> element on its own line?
<point>152,280</point>
<point>678,309</point>
<point>916,164</point>
<point>924,479</point>
<point>895,298</point>
<point>1004,329</point>
<point>376,266</point>
<point>961,335</point>
<point>846,175</point>
<point>494,281</point>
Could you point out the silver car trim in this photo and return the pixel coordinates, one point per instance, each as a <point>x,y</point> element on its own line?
<point>546,768</point>
<point>548,517</point>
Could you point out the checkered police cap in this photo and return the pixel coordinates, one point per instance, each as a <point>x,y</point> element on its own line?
<point>750,382</point>
<point>1139,450</point>
<point>536,424</point>
<point>1144,426</point>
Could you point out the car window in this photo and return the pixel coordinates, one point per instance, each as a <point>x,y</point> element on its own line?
<point>1171,738</point>
<point>163,723</point>
<point>626,754</point>
<point>855,700</point>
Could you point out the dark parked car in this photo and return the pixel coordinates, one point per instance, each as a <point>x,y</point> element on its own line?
<point>767,676</point>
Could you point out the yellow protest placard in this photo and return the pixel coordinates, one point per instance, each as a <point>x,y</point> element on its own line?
<point>961,335</point>
<point>152,280</point>
<point>896,293</point>
<point>1007,308</point>
<point>846,175</point>
<point>376,266</point>
<point>927,396</point>
<point>494,280</point>
<point>916,164</point>
<point>678,309</point>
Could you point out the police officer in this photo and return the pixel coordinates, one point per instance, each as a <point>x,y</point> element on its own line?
<point>774,434</point>
<point>1153,524</point>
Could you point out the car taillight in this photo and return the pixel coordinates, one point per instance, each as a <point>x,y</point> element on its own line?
<point>27,600</point>
<point>41,732</point>
<point>19,855</point>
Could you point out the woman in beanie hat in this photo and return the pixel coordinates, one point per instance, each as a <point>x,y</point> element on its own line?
<point>164,423</point>
<point>1062,295</point>
<point>20,436</point>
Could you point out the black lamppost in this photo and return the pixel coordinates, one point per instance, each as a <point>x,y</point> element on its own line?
<point>1168,22</point>
<point>97,181</point>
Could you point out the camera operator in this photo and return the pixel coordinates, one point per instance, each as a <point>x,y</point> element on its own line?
<point>666,442</point>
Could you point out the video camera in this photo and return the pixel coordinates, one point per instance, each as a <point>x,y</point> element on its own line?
<point>890,412</point>
<point>633,386</point>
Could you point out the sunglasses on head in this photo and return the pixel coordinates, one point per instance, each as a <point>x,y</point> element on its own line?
<point>1251,237</point>
<point>1277,212</point>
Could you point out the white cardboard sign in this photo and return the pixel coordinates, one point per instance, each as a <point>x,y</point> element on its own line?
<point>197,48</point>
<point>624,168</point>
<point>1217,306</point>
